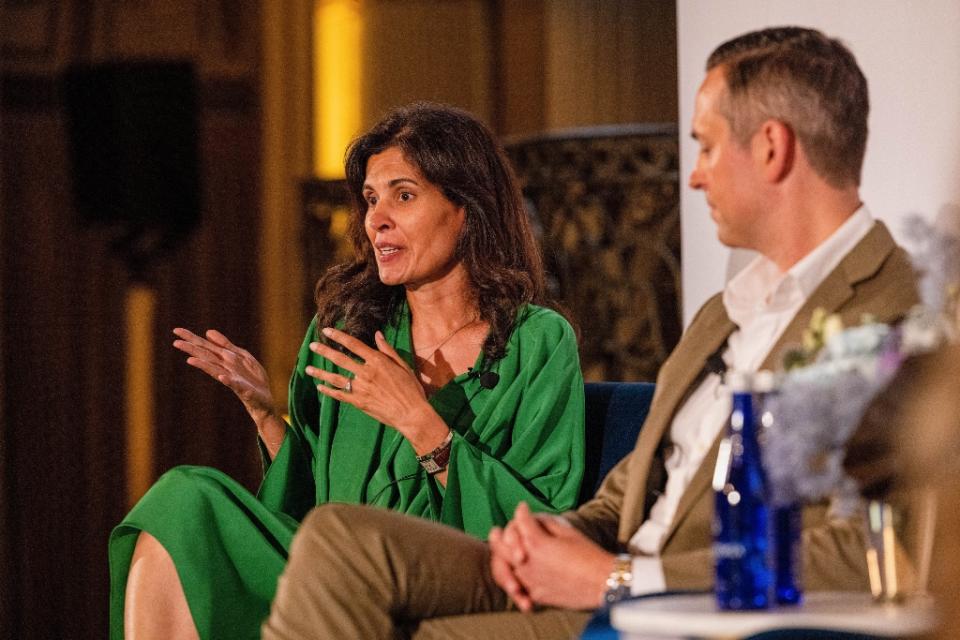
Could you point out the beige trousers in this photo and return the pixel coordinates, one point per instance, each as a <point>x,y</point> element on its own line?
<point>362,572</point>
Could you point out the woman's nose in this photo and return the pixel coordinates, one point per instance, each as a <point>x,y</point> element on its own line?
<point>378,217</point>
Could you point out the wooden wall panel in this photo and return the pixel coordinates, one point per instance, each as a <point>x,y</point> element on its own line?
<point>520,81</point>
<point>62,457</point>
<point>212,282</point>
<point>426,50</point>
<point>6,534</point>
<point>63,427</point>
<point>610,62</point>
<point>286,114</point>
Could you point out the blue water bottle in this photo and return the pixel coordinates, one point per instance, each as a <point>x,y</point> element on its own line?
<point>786,520</point>
<point>741,521</point>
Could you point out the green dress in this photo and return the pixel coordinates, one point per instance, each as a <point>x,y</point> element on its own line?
<point>522,440</point>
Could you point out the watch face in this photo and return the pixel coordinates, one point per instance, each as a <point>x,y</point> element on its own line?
<point>430,466</point>
<point>616,594</point>
<point>437,460</point>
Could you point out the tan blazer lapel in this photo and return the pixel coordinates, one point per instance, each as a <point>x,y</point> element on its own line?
<point>862,262</point>
<point>676,377</point>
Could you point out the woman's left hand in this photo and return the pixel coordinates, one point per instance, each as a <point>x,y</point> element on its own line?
<point>382,385</point>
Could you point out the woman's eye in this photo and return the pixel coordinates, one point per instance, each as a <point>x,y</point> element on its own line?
<point>371,201</point>
<point>406,196</point>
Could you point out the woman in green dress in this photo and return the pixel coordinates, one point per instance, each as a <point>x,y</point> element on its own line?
<point>433,380</point>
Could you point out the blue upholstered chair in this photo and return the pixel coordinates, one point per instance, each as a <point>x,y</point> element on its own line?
<point>615,411</point>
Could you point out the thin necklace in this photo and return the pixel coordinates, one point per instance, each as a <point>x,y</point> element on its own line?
<point>433,349</point>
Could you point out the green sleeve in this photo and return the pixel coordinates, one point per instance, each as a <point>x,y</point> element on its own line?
<point>288,484</point>
<point>527,443</point>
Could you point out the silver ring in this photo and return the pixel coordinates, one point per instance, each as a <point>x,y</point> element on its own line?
<point>349,386</point>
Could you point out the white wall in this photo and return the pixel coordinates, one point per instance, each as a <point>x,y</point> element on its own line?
<point>910,53</point>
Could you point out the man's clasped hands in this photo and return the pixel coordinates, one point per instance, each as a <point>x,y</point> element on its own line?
<point>542,559</point>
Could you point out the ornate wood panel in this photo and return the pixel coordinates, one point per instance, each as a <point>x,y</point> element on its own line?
<point>607,203</point>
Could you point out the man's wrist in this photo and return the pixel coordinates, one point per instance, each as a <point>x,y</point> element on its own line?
<point>620,579</point>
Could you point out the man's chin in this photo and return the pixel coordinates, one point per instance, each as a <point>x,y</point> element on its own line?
<point>729,240</point>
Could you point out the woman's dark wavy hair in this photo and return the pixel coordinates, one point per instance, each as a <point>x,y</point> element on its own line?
<point>458,154</point>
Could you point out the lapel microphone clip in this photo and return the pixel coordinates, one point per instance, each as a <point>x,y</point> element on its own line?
<point>488,379</point>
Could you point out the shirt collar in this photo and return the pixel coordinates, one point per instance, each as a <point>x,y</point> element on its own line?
<point>762,288</point>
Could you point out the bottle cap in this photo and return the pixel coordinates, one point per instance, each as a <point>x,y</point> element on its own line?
<point>737,381</point>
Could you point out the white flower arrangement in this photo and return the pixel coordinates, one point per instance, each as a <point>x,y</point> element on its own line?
<point>839,371</point>
<point>816,410</point>
<point>937,259</point>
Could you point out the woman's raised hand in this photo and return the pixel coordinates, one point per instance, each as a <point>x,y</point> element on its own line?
<point>232,366</point>
<point>382,385</point>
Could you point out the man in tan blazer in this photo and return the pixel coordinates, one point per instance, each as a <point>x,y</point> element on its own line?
<point>781,123</point>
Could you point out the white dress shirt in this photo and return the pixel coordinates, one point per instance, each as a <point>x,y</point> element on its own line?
<point>761,300</point>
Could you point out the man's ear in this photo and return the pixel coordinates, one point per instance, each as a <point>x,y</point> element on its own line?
<point>774,149</point>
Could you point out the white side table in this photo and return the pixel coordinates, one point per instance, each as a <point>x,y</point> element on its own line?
<point>697,616</point>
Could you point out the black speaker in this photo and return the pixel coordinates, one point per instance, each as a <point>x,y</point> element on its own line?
<point>133,141</point>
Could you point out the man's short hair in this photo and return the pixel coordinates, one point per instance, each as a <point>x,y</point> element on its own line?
<point>807,81</point>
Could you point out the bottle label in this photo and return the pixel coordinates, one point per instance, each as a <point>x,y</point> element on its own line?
<point>729,550</point>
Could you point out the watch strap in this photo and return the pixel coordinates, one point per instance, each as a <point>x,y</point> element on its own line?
<point>438,459</point>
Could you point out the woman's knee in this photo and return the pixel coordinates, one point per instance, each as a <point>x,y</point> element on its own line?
<point>150,555</point>
<point>185,476</point>
<point>180,487</point>
<point>147,545</point>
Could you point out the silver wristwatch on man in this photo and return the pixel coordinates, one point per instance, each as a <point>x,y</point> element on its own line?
<point>620,579</point>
